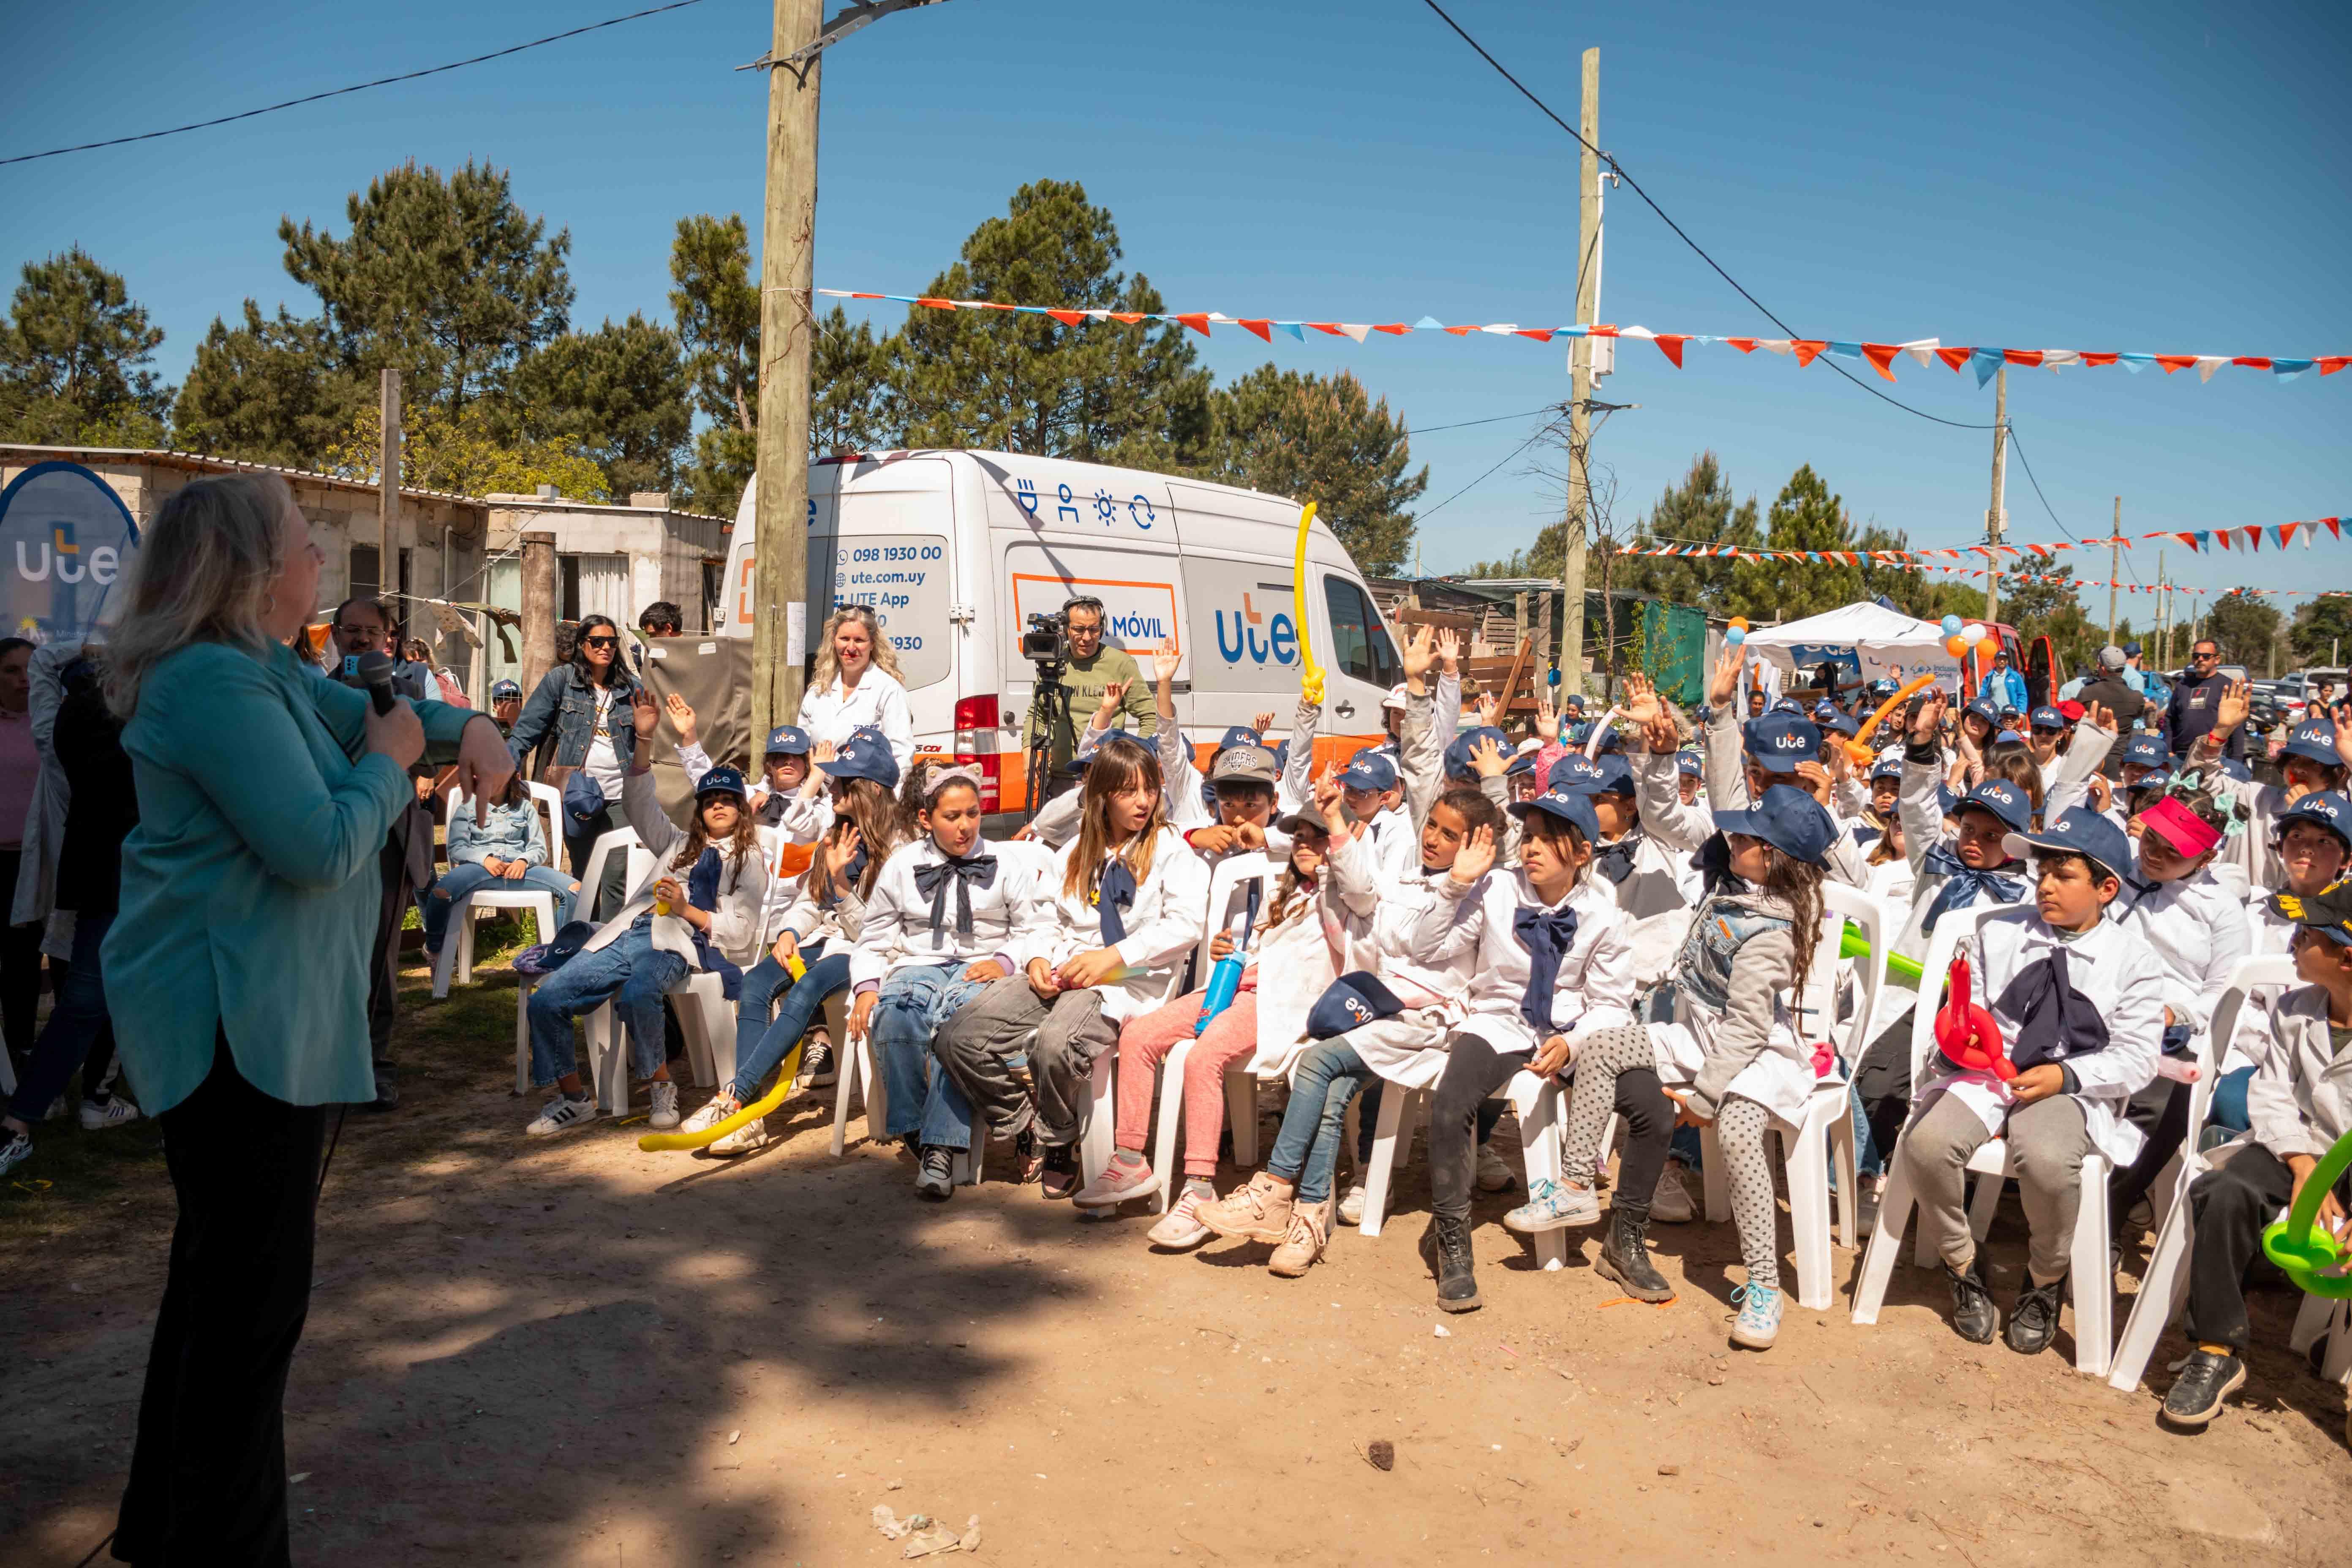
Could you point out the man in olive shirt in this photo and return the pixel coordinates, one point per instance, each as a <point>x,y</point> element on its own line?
<point>1094,666</point>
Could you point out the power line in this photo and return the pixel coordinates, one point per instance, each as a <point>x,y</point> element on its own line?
<point>357,87</point>
<point>1635,185</point>
<point>1499,418</point>
<point>1424,517</point>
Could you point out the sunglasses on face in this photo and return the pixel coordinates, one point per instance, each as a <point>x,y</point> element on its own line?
<point>600,642</point>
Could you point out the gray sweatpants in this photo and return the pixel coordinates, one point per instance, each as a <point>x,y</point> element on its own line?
<point>2049,1142</point>
<point>977,1046</point>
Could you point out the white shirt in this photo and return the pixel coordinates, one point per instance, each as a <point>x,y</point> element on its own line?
<point>1395,847</point>
<point>735,924</point>
<point>2197,927</point>
<point>1164,924</point>
<point>832,713</point>
<point>1010,918</point>
<point>1595,988</point>
<point>602,763</point>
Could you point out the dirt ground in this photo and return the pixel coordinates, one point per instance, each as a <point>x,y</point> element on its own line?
<point>574,1353</point>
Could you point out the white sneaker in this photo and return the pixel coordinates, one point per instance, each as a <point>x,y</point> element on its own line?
<point>1494,1176</point>
<point>16,1151</point>
<point>1180,1227</point>
<point>718,1111</point>
<point>562,1114</point>
<point>664,1115</point>
<point>97,1118</point>
<point>1352,1205</point>
<point>752,1134</point>
<point>1865,1203</point>
<point>1671,1204</point>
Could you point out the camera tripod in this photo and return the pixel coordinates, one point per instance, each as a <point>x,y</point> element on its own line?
<point>1049,709</point>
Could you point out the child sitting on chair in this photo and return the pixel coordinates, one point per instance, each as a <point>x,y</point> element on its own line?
<point>2080,1006</point>
<point>509,849</point>
<point>2301,1104</point>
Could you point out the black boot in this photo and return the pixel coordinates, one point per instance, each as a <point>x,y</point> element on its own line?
<point>1974,1317</point>
<point>1625,1256</point>
<point>1446,1248</point>
<point>2034,1321</point>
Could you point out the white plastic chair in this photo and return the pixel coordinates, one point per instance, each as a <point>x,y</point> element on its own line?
<point>2090,1279</point>
<point>1540,1107</point>
<point>1225,881</point>
<point>457,943</point>
<point>606,1045</point>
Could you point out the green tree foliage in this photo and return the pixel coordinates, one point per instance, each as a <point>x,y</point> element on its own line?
<point>74,350</point>
<point>273,390</point>
<point>473,452</point>
<point>445,279</point>
<point>849,378</point>
<point>716,303</point>
<point>1696,511</point>
<point>1097,390</point>
<point>1294,434</point>
<point>616,395</point>
<point>2246,627</point>
<point>2322,631</point>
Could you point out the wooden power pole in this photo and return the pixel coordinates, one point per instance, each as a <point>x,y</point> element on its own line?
<point>780,629</point>
<point>2114,568</point>
<point>387,494</point>
<point>539,606</point>
<point>1996,517</point>
<point>1580,407</point>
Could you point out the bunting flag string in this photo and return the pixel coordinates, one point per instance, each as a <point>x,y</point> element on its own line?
<point>1880,357</point>
<point>2248,538</point>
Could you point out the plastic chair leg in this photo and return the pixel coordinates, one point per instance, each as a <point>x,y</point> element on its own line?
<point>856,1068</point>
<point>1895,1206</point>
<point>1539,1143</point>
<point>1102,1114</point>
<point>463,922</point>
<point>1165,1153</point>
<point>1984,1204</point>
<point>524,985</point>
<point>2091,1279</point>
<point>1241,1115</point>
<point>1849,1191</point>
<point>2161,1287</point>
<point>1395,1127</point>
<point>608,1058</point>
<point>2335,1364</point>
<point>460,929</point>
<point>1806,1169</point>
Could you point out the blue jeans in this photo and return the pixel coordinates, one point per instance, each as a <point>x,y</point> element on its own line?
<point>1307,1149</point>
<point>760,1046</point>
<point>923,1099</point>
<point>631,973</point>
<point>75,1023</point>
<point>469,877</point>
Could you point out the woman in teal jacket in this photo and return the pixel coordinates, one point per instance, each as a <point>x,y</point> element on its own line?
<point>236,976</point>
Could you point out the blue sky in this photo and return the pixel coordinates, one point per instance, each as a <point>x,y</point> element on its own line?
<point>2122,176</point>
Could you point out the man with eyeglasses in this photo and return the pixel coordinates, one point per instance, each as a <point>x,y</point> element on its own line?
<point>2196,702</point>
<point>1094,667</point>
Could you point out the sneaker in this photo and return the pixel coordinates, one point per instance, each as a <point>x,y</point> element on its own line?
<point>1059,1175</point>
<point>752,1134</point>
<point>97,1117</point>
<point>1129,1175</point>
<point>1446,1248</point>
<point>387,1093</point>
<point>1254,1213</point>
<point>1352,1205</point>
<point>1310,1228</point>
<point>816,1063</point>
<point>1553,1206</point>
<point>1671,1204</point>
<point>1625,1254</point>
<point>2205,1380</point>
<point>16,1151</point>
<point>936,1179</point>
<point>1758,1323</point>
<point>1974,1317</point>
<point>719,1107</point>
<point>664,1114</point>
<point>1494,1176</point>
<point>2033,1323</point>
<point>1865,1203</point>
<point>1180,1227</point>
<point>562,1114</point>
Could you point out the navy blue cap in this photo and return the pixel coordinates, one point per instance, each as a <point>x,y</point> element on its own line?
<point>1576,810</point>
<point>1369,771</point>
<point>1239,735</point>
<point>2148,751</point>
<point>1572,703</point>
<point>1983,709</point>
<point>1788,820</point>
<point>504,690</point>
<point>1844,725</point>
<point>2232,768</point>
<point>2326,808</point>
<point>1779,741</point>
<point>2080,831</point>
<point>788,740</point>
<point>860,758</point>
<point>1282,756</point>
<point>1457,755</point>
<point>2008,738</point>
<point>721,781</point>
<point>1616,775</point>
<point>1947,800</point>
<point>583,798</point>
<point>2155,780</point>
<point>2047,719</point>
<point>1690,764</point>
<point>1787,705</point>
<point>1889,766</point>
<point>2314,741</point>
<point>1823,710</point>
<point>1574,773</point>
<point>871,732</point>
<point>2131,650</point>
<point>2007,803</point>
<point>1525,763</point>
<point>1883,688</point>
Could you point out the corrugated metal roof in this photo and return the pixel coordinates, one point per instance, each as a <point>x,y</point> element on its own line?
<point>198,460</point>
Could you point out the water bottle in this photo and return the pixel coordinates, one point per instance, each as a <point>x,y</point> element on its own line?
<point>1224,984</point>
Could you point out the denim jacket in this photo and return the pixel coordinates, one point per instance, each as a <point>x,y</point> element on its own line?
<point>513,834</point>
<point>560,718</point>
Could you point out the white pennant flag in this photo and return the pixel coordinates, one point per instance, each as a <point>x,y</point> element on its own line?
<point>2207,364</point>
<point>1923,350</point>
<point>1356,331</point>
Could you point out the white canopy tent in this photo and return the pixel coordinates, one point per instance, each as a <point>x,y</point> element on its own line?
<point>1868,641</point>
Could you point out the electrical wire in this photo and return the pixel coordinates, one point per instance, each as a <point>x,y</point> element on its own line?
<point>1499,418</point>
<point>1635,187</point>
<point>357,87</point>
<point>1420,518</point>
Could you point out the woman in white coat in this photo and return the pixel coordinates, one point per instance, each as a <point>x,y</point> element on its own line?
<point>856,683</point>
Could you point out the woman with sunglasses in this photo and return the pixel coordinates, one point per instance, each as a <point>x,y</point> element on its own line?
<point>856,683</point>
<point>578,721</point>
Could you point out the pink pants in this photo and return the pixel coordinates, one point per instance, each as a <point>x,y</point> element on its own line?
<point>1144,1043</point>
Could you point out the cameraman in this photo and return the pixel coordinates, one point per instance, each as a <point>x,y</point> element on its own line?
<point>1092,667</point>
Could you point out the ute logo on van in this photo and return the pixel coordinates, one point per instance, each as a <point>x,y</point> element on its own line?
<point>1278,640</point>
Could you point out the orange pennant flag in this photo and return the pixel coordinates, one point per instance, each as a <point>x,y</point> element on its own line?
<point>1745,345</point>
<point>1199,322</point>
<point>1671,345</point>
<point>1955,356</point>
<point>2028,357</point>
<point>1263,328</point>
<point>1067,317</point>
<point>2175,362</point>
<point>1807,348</point>
<point>1882,356</point>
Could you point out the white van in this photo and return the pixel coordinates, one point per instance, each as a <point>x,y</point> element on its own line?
<point>955,549</point>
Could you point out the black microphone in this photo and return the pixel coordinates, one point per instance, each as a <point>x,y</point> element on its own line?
<point>375,674</point>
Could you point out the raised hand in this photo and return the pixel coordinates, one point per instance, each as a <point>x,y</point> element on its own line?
<point>1449,650</point>
<point>823,751</point>
<point>1114,692</point>
<point>1926,718</point>
<point>1262,723</point>
<point>1723,681</point>
<point>643,713</point>
<point>2237,699</point>
<point>2100,717</point>
<point>1489,708</point>
<point>1814,780</point>
<point>841,850</point>
<point>1488,760</point>
<point>1640,700</point>
<point>1420,652</point>
<point>1475,857</point>
<point>681,718</point>
<point>1165,660</point>
<point>1547,719</point>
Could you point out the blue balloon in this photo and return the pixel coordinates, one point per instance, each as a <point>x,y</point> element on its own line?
<point>1735,636</point>
<point>1951,625</point>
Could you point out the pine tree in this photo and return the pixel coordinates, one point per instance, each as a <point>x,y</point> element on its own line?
<point>1296,434</point>
<point>849,375</point>
<point>74,351</point>
<point>617,395</point>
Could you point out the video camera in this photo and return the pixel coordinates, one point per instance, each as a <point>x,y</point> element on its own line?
<point>1047,642</point>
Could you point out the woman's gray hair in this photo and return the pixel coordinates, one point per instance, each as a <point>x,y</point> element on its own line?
<point>202,574</point>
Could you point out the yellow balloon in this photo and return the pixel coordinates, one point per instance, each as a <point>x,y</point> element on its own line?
<point>1310,685</point>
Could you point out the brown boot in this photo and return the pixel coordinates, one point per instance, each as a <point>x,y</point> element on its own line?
<point>1257,1212</point>
<point>1311,1229</point>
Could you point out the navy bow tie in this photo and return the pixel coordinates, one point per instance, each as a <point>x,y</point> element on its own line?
<point>1964,885</point>
<point>1615,861</point>
<point>932,880</point>
<point>1114,896</point>
<point>2055,1021</point>
<point>1548,935</point>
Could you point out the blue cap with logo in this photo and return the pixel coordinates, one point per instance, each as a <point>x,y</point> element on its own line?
<point>1457,755</point>
<point>1369,771</point>
<point>2047,719</point>
<point>2314,739</point>
<point>2147,751</point>
<point>1788,820</point>
<point>2007,803</point>
<point>504,691</point>
<point>1574,773</point>
<point>1839,723</point>
<point>1239,735</point>
<point>720,781</point>
<point>2325,807</point>
<point>1690,764</point>
<point>583,798</point>
<point>1787,705</point>
<point>1889,766</point>
<point>1825,710</point>
<point>1982,708</point>
<point>861,757</point>
<point>2080,831</point>
<point>1576,810</point>
<point>788,741</point>
<point>2008,738</point>
<point>1779,741</point>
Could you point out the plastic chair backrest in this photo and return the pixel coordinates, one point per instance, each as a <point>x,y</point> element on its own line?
<point>622,840</point>
<point>1876,922</point>
<point>1226,880</point>
<point>1949,930</point>
<point>551,810</point>
<point>2267,969</point>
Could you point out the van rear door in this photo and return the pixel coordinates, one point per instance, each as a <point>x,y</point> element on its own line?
<point>892,548</point>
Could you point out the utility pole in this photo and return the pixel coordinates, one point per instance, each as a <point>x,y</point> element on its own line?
<point>387,491</point>
<point>538,605</point>
<point>1580,407</point>
<point>1996,517</point>
<point>2114,566</point>
<point>779,629</point>
<point>2163,616</point>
